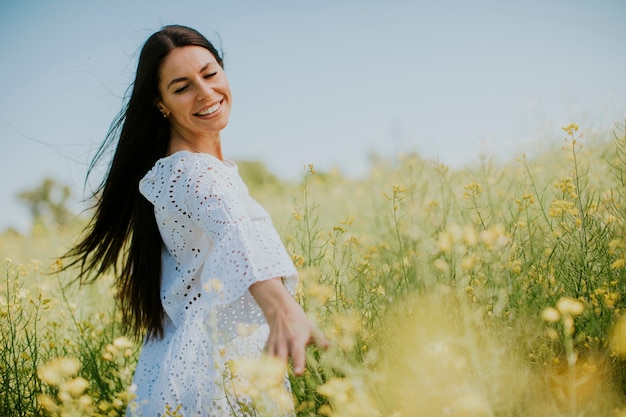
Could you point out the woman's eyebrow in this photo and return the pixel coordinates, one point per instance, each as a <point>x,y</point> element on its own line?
<point>179,79</point>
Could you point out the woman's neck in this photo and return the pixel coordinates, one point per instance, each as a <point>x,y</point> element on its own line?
<point>210,144</point>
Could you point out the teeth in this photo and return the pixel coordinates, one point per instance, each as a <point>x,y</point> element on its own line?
<point>210,110</point>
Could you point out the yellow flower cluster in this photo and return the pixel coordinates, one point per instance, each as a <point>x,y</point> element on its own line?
<point>348,397</point>
<point>458,239</point>
<point>525,202</point>
<point>258,385</point>
<point>570,129</point>
<point>567,187</point>
<point>559,208</point>
<point>565,312</point>
<point>617,248</point>
<point>120,345</point>
<point>71,399</point>
<point>472,190</point>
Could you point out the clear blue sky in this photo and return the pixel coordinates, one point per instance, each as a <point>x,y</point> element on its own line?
<point>323,82</point>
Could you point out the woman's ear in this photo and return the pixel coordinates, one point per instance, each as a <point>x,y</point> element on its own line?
<point>161,107</point>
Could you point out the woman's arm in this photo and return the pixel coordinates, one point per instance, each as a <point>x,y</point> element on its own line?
<point>290,329</point>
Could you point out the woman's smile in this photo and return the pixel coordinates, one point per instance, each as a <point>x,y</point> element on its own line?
<point>208,111</point>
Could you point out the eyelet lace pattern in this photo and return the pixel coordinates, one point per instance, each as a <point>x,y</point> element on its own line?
<point>217,242</point>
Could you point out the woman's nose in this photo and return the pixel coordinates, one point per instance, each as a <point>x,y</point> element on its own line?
<point>205,91</point>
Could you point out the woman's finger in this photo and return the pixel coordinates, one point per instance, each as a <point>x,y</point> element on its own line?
<point>297,353</point>
<point>317,337</point>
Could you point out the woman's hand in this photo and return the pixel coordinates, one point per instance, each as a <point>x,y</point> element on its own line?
<point>290,329</point>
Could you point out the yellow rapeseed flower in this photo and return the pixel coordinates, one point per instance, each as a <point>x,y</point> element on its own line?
<point>494,237</point>
<point>432,205</point>
<point>338,389</point>
<point>85,401</point>
<point>514,266</point>
<point>618,337</point>
<point>339,229</point>
<point>567,186</point>
<point>468,262</point>
<point>552,334</point>
<point>297,260</point>
<point>261,379</point>
<point>112,350</point>
<point>57,370</point>
<point>48,403</point>
<point>320,293</point>
<point>472,190</point>
<point>616,244</point>
<point>445,242</point>
<point>397,188</point>
<point>618,264</point>
<point>469,236</point>
<point>345,330</point>
<point>441,265</point>
<point>122,342</point>
<point>449,237</point>
<point>551,315</point>
<point>559,208</point>
<point>75,387</point>
<point>567,305</point>
<point>571,128</point>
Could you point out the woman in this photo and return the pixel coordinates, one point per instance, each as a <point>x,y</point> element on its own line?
<point>171,195</point>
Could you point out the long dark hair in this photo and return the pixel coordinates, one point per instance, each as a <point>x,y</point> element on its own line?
<point>123,235</point>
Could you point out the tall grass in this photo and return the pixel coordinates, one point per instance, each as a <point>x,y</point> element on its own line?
<point>494,290</point>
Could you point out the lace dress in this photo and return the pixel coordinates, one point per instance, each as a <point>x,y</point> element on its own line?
<point>217,241</point>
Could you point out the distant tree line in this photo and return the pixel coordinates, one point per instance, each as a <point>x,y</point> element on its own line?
<point>48,203</point>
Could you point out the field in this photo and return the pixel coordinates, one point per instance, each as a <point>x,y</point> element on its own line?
<point>493,290</point>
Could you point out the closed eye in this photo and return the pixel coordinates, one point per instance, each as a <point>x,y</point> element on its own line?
<point>209,75</point>
<point>181,89</point>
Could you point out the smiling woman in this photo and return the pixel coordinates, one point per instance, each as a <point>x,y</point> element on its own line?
<point>195,97</point>
<point>200,260</point>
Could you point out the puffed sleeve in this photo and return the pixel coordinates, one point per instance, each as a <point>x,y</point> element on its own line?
<point>246,246</point>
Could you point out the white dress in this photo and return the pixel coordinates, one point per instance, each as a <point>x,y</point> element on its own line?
<point>217,242</point>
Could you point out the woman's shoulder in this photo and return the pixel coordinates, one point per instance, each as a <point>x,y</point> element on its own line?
<point>190,160</point>
<point>185,169</point>
<point>184,164</point>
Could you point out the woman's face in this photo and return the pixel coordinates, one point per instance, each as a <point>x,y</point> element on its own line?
<point>194,92</point>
